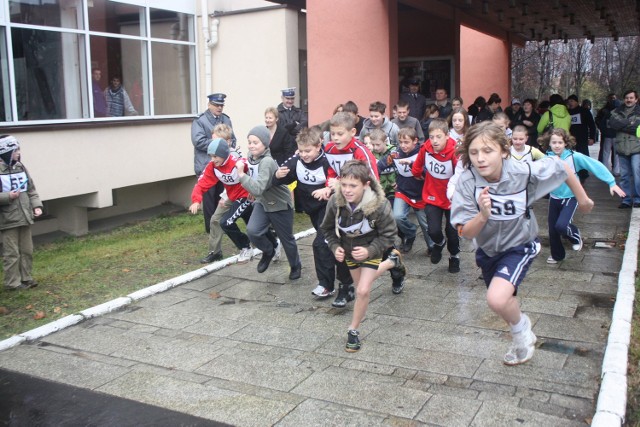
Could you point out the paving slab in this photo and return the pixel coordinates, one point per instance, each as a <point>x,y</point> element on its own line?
<point>254,349</point>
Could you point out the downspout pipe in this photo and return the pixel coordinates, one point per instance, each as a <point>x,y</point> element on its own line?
<point>211,40</point>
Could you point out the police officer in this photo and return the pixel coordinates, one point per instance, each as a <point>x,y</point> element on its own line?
<point>292,118</point>
<point>201,130</point>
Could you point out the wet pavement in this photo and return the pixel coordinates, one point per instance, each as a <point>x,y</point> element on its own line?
<point>253,349</point>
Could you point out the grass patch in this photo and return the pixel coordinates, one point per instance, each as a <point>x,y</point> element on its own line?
<point>76,273</point>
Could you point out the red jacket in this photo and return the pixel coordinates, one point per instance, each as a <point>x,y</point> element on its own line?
<point>226,173</point>
<point>436,168</point>
<point>354,150</point>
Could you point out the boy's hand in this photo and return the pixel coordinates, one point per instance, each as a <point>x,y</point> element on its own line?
<point>282,172</point>
<point>614,189</point>
<point>585,206</point>
<point>37,212</point>
<point>484,202</point>
<point>324,192</point>
<point>240,167</point>
<point>319,194</point>
<point>194,208</point>
<point>360,253</point>
<point>405,161</point>
<point>14,194</point>
<point>339,254</point>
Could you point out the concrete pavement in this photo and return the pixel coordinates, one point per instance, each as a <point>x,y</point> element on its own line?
<point>255,349</point>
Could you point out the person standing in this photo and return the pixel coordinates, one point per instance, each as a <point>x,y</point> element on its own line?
<point>530,119</point>
<point>201,132</point>
<point>515,113</point>
<point>608,155</point>
<point>292,118</point>
<point>415,100</point>
<point>118,101</point>
<point>99,102</point>
<point>625,121</point>
<point>583,129</point>
<point>442,101</point>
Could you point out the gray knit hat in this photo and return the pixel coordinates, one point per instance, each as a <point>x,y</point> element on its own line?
<point>262,133</point>
<point>218,147</point>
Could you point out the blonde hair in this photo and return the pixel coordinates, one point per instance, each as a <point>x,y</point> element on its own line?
<point>222,131</point>
<point>272,110</point>
<point>310,136</point>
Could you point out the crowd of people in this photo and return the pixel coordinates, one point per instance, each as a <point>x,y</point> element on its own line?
<point>358,179</point>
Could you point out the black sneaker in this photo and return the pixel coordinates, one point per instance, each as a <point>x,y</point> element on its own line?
<point>407,245</point>
<point>436,253</point>
<point>396,257</point>
<point>454,265</point>
<point>265,261</point>
<point>353,341</point>
<point>211,257</point>
<point>346,293</point>
<point>296,272</point>
<point>398,286</point>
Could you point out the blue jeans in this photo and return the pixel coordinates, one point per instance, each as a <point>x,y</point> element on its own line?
<point>630,177</point>
<point>408,228</point>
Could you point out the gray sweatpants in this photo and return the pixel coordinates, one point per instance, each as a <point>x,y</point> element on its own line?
<point>282,222</point>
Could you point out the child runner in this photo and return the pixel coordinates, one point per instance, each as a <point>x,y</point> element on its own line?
<point>562,203</point>
<point>273,204</point>
<point>435,163</point>
<point>501,119</point>
<point>492,204</point>
<point>381,149</point>
<point>458,124</point>
<point>359,227</point>
<point>309,168</point>
<point>408,190</point>
<point>520,150</point>
<point>20,205</point>
<point>222,168</point>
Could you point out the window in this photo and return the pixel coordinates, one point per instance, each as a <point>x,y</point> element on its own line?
<point>74,60</point>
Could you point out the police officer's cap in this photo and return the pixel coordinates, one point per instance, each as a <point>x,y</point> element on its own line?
<point>291,91</point>
<point>217,98</point>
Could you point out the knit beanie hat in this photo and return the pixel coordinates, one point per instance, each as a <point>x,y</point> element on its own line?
<point>218,147</point>
<point>262,133</point>
<point>8,144</point>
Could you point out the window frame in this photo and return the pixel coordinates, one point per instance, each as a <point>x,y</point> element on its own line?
<point>85,83</point>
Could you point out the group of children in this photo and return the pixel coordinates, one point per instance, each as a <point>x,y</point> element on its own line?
<point>481,180</point>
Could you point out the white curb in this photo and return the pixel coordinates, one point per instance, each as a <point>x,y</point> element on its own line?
<point>121,302</point>
<point>612,399</point>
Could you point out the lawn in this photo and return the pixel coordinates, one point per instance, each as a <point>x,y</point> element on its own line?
<point>76,273</point>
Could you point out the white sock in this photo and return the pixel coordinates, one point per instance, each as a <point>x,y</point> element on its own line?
<point>518,327</point>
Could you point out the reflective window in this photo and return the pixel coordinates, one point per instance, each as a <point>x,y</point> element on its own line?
<point>48,72</point>
<point>171,25</point>
<point>50,13</point>
<point>115,17</point>
<point>172,81</point>
<point>46,76</point>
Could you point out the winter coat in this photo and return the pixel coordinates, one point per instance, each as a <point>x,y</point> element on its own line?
<point>259,183</point>
<point>625,122</point>
<point>561,118</point>
<point>201,129</point>
<point>387,127</point>
<point>17,212</point>
<point>370,224</point>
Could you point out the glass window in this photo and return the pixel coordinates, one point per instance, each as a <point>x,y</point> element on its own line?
<point>5,90</point>
<point>115,17</point>
<point>172,79</point>
<point>50,13</point>
<point>166,24</point>
<point>48,68</point>
<point>119,59</point>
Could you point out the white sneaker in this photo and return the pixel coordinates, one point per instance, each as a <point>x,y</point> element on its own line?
<point>278,251</point>
<point>523,345</point>
<point>577,246</point>
<point>550,260</point>
<point>245,256</point>
<point>322,292</point>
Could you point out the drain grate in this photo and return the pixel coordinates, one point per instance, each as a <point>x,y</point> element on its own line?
<point>604,244</point>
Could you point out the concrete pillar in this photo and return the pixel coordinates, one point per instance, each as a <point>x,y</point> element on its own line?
<point>352,54</point>
<point>73,219</point>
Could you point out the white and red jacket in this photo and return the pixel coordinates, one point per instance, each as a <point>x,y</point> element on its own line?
<point>227,174</point>
<point>436,168</point>
<point>354,150</point>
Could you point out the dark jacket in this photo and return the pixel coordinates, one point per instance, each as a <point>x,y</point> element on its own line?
<point>293,120</point>
<point>282,145</point>
<point>310,176</point>
<point>582,127</point>
<point>370,224</point>
<point>625,122</point>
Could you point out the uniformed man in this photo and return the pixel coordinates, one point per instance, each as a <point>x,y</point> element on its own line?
<point>292,118</point>
<point>201,130</point>
<point>417,102</point>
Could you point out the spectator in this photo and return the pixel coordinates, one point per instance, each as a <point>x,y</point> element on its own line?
<point>625,121</point>
<point>442,101</point>
<point>414,99</point>
<point>608,155</point>
<point>118,101</point>
<point>292,118</point>
<point>99,102</point>
<point>530,119</point>
<point>515,113</point>
<point>492,107</point>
